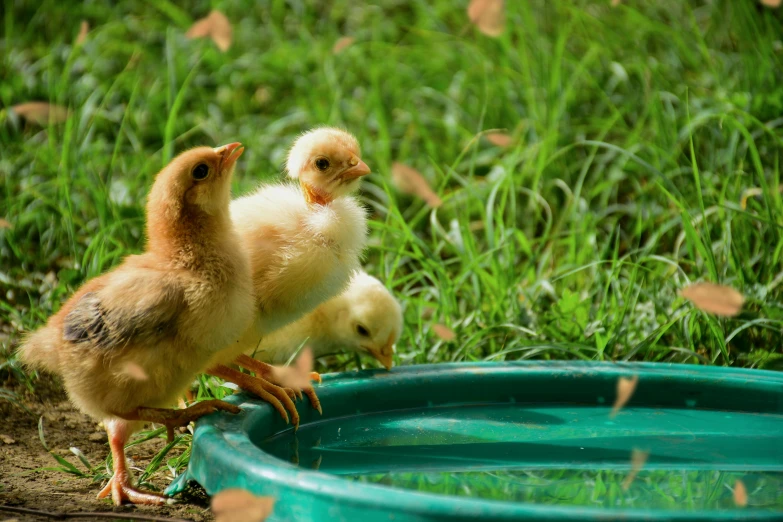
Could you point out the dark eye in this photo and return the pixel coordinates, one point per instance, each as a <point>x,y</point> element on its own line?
<point>201,171</point>
<point>322,163</point>
<point>361,330</point>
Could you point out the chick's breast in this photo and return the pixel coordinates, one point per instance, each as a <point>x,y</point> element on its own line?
<point>300,255</point>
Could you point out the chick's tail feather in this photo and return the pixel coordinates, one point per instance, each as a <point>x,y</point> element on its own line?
<point>39,350</point>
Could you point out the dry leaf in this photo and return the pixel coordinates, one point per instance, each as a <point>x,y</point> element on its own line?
<point>238,505</point>
<point>444,332</point>
<point>409,181</point>
<point>4,223</point>
<point>297,375</point>
<point>740,494</point>
<point>84,28</point>
<point>715,299</point>
<point>638,458</point>
<point>771,3</point>
<point>216,26</point>
<point>7,440</point>
<point>41,112</point>
<point>625,389</point>
<point>488,15</point>
<point>342,43</point>
<point>499,139</point>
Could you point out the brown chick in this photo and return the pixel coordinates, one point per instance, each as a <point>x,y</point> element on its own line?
<point>304,243</point>
<point>129,342</point>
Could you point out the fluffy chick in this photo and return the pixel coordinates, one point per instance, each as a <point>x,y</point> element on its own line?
<point>304,242</point>
<point>366,318</point>
<point>128,342</point>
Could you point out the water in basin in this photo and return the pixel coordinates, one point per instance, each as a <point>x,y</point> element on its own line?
<point>558,454</point>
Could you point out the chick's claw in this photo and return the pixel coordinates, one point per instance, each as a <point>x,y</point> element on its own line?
<point>122,491</point>
<point>275,395</point>
<point>266,372</point>
<point>314,401</point>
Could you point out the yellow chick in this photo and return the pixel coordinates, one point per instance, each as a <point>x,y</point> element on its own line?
<point>304,242</point>
<point>366,318</point>
<point>129,342</point>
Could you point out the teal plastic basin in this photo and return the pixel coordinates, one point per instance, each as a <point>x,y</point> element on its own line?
<point>508,441</point>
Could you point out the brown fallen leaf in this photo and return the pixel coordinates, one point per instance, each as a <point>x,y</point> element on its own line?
<point>771,3</point>
<point>410,181</point>
<point>6,439</point>
<point>216,26</point>
<point>625,389</point>
<point>4,223</point>
<point>720,300</point>
<point>41,112</point>
<point>342,43</point>
<point>638,459</point>
<point>238,505</point>
<point>488,15</point>
<point>84,28</point>
<point>740,494</point>
<point>296,375</point>
<point>444,332</point>
<point>499,139</point>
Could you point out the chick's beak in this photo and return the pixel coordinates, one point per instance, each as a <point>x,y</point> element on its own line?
<point>385,354</point>
<point>229,154</point>
<point>357,169</point>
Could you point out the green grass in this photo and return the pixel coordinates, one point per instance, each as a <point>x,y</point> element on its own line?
<point>638,132</point>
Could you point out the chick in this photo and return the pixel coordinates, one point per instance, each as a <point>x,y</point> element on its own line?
<point>304,243</point>
<point>129,342</point>
<point>366,318</point>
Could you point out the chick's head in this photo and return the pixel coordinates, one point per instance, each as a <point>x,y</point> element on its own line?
<point>327,163</point>
<point>370,319</point>
<point>198,179</point>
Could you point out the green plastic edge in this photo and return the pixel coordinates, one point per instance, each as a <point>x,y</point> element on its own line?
<point>224,457</point>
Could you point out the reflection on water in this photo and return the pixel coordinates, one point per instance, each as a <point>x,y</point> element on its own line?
<point>670,489</point>
<point>559,454</point>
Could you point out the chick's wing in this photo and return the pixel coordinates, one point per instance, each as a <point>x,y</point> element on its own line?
<point>139,306</point>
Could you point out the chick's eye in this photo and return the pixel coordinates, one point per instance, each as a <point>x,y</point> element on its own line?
<point>322,163</point>
<point>361,330</point>
<point>201,171</point>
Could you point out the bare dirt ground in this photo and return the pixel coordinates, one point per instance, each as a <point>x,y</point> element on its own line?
<point>21,454</point>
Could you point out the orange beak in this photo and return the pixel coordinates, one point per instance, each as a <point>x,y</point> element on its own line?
<point>229,154</point>
<point>386,354</point>
<point>357,170</point>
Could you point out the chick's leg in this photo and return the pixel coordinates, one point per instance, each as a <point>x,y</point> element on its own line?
<point>176,418</point>
<point>271,393</point>
<point>266,371</point>
<point>119,486</point>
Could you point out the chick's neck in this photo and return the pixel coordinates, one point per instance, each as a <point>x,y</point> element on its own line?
<point>314,195</point>
<point>188,236</point>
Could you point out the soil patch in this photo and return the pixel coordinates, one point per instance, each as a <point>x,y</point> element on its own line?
<point>22,484</point>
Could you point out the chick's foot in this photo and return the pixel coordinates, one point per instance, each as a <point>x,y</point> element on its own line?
<point>121,490</point>
<point>266,371</point>
<point>278,397</point>
<point>119,486</point>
